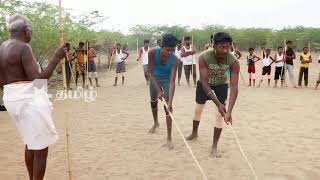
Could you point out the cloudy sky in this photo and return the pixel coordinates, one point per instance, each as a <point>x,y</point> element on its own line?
<point>123,14</point>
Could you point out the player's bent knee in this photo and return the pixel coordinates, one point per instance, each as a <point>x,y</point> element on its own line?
<point>198,112</point>
<point>154,104</point>
<point>219,123</point>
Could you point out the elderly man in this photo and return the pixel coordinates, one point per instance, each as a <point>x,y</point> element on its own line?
<point>29,107</point>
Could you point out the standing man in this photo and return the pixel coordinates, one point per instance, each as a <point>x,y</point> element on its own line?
<point>121,64</point>
<point>266,69</point>
<point>80,53</point>
<point>144,53</point>
<point>177,52</point>
<point>213,65</point>
<point>290,56</point>
<point>29,107</point>
<point>92,67</point>
<point>162,68</point>
<point>68,65</point>
<point>279,63</point>
<point>187,53</point>
<point>251,66</point>
<point>305,59</point>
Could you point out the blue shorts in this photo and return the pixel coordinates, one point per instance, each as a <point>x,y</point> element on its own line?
<point>163,82</point>
<point>145,68</point>
<point>92,66</point>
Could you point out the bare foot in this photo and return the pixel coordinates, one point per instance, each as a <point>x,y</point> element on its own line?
<point>169,144</point>
<point>153,129</point>
<point>214,153</point>
<point>192,136</point>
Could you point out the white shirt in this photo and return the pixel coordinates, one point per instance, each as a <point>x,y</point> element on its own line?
<point>145,58</point>
<point>178,53</point>
<point>266,61</point>
<point>189,59</point>
<point>279,64</point>
<point>119,56</point>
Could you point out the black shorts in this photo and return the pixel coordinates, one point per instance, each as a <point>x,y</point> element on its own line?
<point>221,92</point>
<point>279,72</point>
<point>266,70</point>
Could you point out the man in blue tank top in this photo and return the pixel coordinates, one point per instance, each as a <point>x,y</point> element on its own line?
<point>162,68</point>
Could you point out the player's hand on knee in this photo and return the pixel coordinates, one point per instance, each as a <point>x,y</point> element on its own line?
<point>160,95</point>
<point>228,118</point>
<point>170,108</point>
<point>222,109</point>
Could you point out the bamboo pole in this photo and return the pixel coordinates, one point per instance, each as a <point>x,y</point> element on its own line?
<point>112,59</point>
<point>68,145</point>
<point>284,64</point>
<point>192,59</point>
<point>87,64</point>
<point>309,48</point>
<point>65,86</point>
<point>61,44</point>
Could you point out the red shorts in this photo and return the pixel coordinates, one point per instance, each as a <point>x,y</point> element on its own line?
<point>251,68</point>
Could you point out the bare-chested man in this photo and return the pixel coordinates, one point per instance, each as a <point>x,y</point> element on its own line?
<point>29,107</point>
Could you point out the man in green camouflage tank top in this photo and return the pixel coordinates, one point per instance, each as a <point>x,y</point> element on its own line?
<point>213,85</point>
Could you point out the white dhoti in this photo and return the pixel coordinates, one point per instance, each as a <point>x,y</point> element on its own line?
<point>31,110</point>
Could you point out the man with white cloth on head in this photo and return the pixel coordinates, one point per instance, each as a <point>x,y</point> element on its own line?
<point>27,103</point>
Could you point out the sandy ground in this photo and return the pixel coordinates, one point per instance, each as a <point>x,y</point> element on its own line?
<point>279,130</point>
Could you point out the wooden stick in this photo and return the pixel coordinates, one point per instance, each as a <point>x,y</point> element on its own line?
<point>192,59</point>
<point>284,64</point>
<point>74,80</point>
<point>111,60</point>
<point>68,145</point>
<point>186,143</point>
<point>61,44</point>
<point>87,64</point>
<point>309,48</point>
